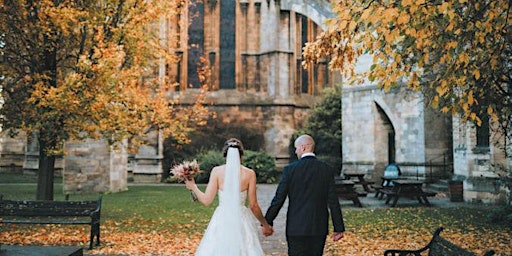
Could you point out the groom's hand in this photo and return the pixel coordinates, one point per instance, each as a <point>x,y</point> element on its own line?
<point>337,236</point>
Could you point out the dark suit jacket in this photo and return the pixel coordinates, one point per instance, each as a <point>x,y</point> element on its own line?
<point>309,185</point>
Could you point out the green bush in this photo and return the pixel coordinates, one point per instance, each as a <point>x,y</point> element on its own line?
<point>207,160</point>
<point>324,125</point>
<point>211,137</point>
<point>263,164</point>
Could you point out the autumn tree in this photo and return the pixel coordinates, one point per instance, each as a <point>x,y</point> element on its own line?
<point>88,69</point>
<point>457,52</point>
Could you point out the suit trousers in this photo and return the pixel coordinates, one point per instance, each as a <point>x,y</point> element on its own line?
<point>305,245</point>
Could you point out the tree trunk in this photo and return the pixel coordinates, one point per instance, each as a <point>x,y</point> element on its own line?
<point>45,174</point>
<point>50,131</point>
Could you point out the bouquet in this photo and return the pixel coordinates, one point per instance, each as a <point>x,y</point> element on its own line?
<point>186,170</point>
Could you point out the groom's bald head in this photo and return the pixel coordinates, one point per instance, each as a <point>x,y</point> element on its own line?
<point>304,144</point>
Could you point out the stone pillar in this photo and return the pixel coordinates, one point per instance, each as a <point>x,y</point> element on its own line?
<point>93,166</point>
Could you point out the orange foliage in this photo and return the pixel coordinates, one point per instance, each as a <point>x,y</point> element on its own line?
<point>456,52</point>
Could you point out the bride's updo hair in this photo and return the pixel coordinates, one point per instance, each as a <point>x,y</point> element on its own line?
<point>233,143</point>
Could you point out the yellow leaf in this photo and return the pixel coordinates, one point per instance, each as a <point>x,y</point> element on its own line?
<point>404,18</point>
<point>489,110</point>
<point>425,58</point>
<point>411,32</point>
<point>366,13</point>
<point>435,102</point>
<point>471,100</point>
<point>476,73</point>
<point>443,8</point>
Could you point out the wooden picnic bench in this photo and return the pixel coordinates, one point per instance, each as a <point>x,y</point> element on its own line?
<point>54,212</point>
<point>360,180</point>
<point>438,246</point>
<point>345,190</point>
<point>407,188</point>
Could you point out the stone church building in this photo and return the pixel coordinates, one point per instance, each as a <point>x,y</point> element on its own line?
<point>253,48</point>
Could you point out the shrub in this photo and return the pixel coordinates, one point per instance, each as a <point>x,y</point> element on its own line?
<point>207,160</point>
<point>324,125</point>
<point>263,164</point>
<point>211,137</point>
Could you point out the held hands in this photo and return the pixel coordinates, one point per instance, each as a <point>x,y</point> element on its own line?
<point>267,230</point>
<point>337,236</point>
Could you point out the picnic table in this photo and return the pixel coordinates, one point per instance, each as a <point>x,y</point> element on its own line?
<point>345,190</point>
<point>406,188</point>
<point>359,176</point>
<point>385,184</point>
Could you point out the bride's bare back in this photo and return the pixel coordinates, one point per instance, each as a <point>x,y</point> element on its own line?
<point>245,176</point>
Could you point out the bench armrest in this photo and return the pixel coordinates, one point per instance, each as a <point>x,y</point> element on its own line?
<point>96,213</point>
<point>398,252</point>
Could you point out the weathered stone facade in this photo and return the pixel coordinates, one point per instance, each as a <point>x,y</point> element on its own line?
<point>478,164</point>
<point>12,152</point>
<point>380,128</point>
<point>275,120</point>
<point>268,89</point>
<point>93,166</point>
<point>384,127</point>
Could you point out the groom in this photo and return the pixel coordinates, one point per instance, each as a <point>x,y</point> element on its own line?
<point>309,186</point>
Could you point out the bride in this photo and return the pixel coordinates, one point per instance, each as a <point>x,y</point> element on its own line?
<point>232,229</point>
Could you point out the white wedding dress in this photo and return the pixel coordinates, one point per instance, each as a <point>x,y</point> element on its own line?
<point>232,230</point>
<point>219,236</point>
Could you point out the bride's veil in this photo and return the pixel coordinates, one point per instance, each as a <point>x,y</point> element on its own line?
<point>231,202</point>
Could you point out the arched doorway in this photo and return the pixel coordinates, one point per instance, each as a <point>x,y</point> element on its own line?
<point>385,141</point>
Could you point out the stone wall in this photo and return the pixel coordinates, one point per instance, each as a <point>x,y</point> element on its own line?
<point>370,119</point>
<point>12,152</point>
<point>92,166</point>
<point>478,167</point>
<point>275,119</point>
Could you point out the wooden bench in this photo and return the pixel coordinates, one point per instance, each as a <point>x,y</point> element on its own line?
<point>54,212</point>
<point>436,246</point>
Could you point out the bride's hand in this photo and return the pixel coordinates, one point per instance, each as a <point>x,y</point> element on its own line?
<point>190,184</point>
<point>267,230</point>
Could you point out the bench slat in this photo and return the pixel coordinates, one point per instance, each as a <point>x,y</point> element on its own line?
<point>45,221</point>
<point>441,246</point>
